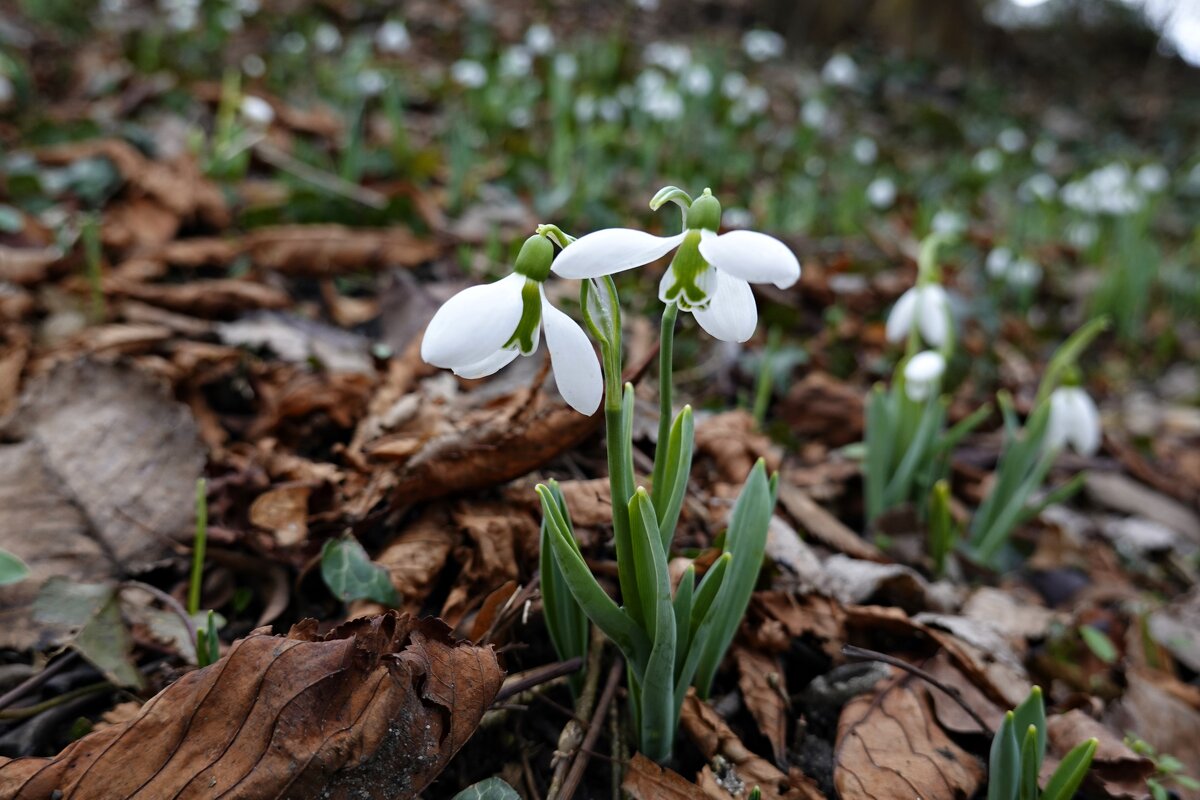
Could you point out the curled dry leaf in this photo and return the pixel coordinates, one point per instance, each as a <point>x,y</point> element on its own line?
<point>889,745</point>
<point>733,443</point>
<point>821,406</point>
<point>374,709</point>
<point>646,780</point>
<point>415,559</point>
<point>713,737</point>
<point>765,691</point>
<point>283,510</point>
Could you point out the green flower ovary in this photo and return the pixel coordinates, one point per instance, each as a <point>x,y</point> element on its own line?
<point>688,267</point>
<point>535,257</point>
<point>525,336</point>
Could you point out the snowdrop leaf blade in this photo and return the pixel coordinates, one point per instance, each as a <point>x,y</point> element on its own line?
<point>565,620</point>
<point>576,367</point>
<point>1071,771</point>
<point>751,256</point>
<point>731,315</point>
<point>675,476</point>
<point>474,324</point>
<point>610,251</point>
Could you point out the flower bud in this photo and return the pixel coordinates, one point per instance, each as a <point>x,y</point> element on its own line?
<point>534,259</point>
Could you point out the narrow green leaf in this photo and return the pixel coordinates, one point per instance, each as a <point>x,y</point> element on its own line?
<point>12,568</point>
<point>1071,771</point>
<point>710,585</point>
<point>1068,353</point>
<point>900,486</point>
<point>1099,643</point>
<point>351,574</point>
<point>683,618</point>
<point>1032,712</point>
<point>595,602</point>
<point>1031,763</point>
<point>565,620</point>
<point>658,716</point>
<point>1004,763</point>
<point>879,451</point>
<point>942,533</point>
<point>676,471</point>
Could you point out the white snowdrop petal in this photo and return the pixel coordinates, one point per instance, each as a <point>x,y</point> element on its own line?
<point>900,319</point>
<point>933,314</point>
<point>473,324</point>
<point>488,366</point>
<point>1084,422</point>
<point>576,367</point>
<point>922,374</point>
<point>731,314</point>
<point>751,256</point>
<point>612,250</point>
<point>1058,425</point>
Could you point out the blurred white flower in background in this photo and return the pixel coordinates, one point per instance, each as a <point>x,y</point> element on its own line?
<point>7,90</point>
<point>1024,273</point>
<point>1044,152</point>
<point>926,307</point>
<point>1152,178</point>
<point>565,66</point>
<point>539,39</point>
<point>392,38</point>
<point>948,223</point>
<point>1074,420</point>
<point>733,84</point>
<point>1039,186</point>
<point>256,112</point>
<point>468,73</point>
<point>516,62</point>
<point>1110,189</point>
<point>326,38</point>
<point>762,45</point>
<point>670,56</point>
<point>610,109</point>
<point>697,80</point>
<point>646,5</point>
<point>840,70</point>
<point>814,166</point>
<point>881,193</point>
<point>1083,233</point>
<point>998,261</point>
<point>814,112</point>
<point>923,375</point>
<point>738,218</point>
<point>371,82</point>
<point>1012,140</point>
<point>865,150</point>
<point>585,108</point>
<point>987,161</point>
<point>254,66</point>
<point>294,42</point>
<point>750,103</point>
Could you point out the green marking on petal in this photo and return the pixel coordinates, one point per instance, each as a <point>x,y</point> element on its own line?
<point>525,336</point>
<point>691,275</point>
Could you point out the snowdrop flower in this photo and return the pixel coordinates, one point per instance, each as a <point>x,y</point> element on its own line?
<point>326,38</point>
<point>516,62</point>
<point>565,66</point>
<point>256,112</point>
<point>814,166</point>
<point>668,55</point>
<point>987,161</point>
<point>484,328</point>
<point>998,261</point>
<point>865,150</point>
<point>371,82</point>
<point>468,73</point>
<point>610,109</point>
<point>585,108</point>
<point>1024,273</point>
<point>294,42</point>
<point>1040,187</point>
<point>1011,140</point>
<point>924,307</point>
<point>697,80</point>
<point>733,84</point>
<point>1045,152</point>
<point>948,223</point>
<point>840,71</point>
<point>392,37</point>
<point>750,103</point>
<point>814,112</point>
<point>710,274</point>
<point>1074,420</point>
<point>539,39</point>
<point>923,375</point>
<point>254,66</point>
<point>7,91</point>
<point>881,193</point>
<point>762,45</point>
<point>1083,233</point>
<point>1152,178</point>
<point>664,104</point>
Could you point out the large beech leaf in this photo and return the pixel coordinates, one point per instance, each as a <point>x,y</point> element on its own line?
<point>373,709</point>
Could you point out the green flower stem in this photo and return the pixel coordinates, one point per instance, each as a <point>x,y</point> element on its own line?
<point>666,350</point>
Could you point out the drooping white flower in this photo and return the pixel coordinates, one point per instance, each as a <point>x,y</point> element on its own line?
<point>925,307</point>
<point>697,80</point>
<point>566,67</point>
<point>1152,178</point>
<point>733,84</point>
<point>1039,186</point>
<point>484,328</point>
<point>1074,420</point>
<point>1044,152</point>
<point>671,56</point>
<point>881,192</point>
<point>948,223</point>
<point>710,274</point>
<point>468,73</point>
<point>840,70</point>
<point>516,62</point>
<point>814,112</point>
<point>762,45</point>
<point>392,37</point>
<point>539,39</point>
<point>923,375</point>
<point>327,38</point>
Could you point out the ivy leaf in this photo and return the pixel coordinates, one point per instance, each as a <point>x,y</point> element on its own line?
<point>351,574</point>
<point>490,789</point>
<point>12,569</point>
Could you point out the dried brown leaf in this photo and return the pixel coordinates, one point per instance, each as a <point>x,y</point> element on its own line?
<point>374,709</point>
<point>646,780</point>
<point>283,510</point>
<point>889,745</point>
<point>765,692</point>
<point>824,526</point>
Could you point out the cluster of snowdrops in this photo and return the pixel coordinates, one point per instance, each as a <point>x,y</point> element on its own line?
<point>675,637</point>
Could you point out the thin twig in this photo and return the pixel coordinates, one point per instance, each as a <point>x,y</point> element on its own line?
<point>873,655</point>
<point>319,178</point>
<point>34,681</point>
<point>573,731</point>
<point>571,784</point>
<point>25,712</point>
<point>171,603</point>
<point>537,676</point>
